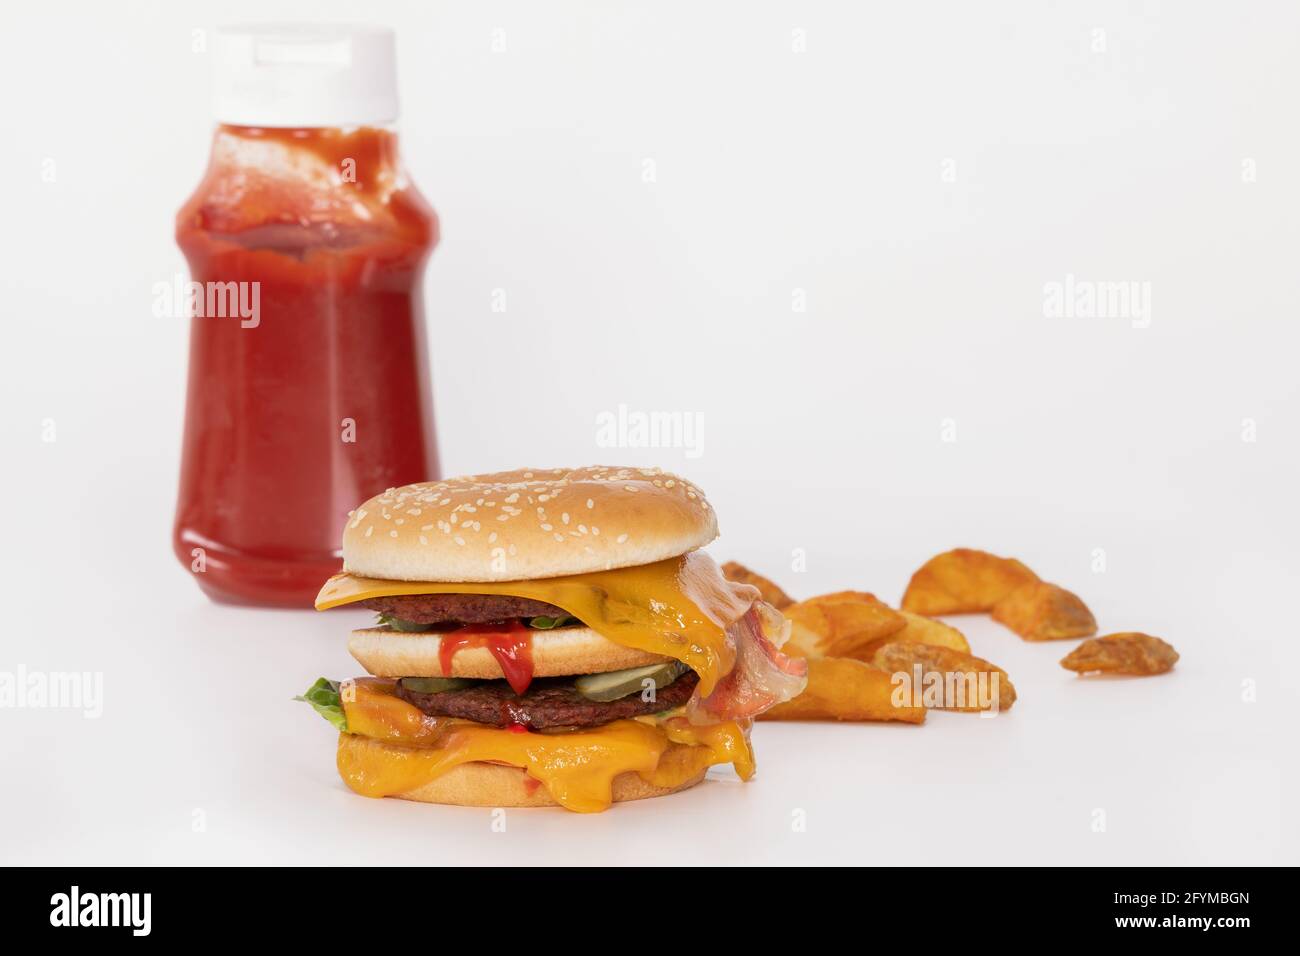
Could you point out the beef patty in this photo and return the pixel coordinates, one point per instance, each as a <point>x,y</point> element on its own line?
<point>460,608</point>
<point>552,702</point>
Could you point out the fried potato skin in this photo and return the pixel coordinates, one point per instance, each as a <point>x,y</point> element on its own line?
<point>1128,652</point>
<point>772,594</point>
<point>844,689</point>
<point>903,656</point>
<point>963,581</point>
<point>1039,611</point>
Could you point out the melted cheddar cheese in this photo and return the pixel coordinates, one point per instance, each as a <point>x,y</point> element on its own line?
<point>405,749</point>
<point>679,608</point>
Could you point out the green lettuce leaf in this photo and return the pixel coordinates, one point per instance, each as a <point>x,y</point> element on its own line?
<point>397,624</point>
<point>546,623</point>
<point>324,697</point>
<point>539,623</point>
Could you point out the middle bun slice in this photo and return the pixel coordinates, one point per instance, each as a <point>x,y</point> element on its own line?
<point>555,653</point>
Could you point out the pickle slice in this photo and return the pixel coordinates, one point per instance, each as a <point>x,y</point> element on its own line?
<point>614,685</point>
<point>435,685</point>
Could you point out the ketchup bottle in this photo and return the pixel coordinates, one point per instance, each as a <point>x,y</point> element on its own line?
<point>308,386</point>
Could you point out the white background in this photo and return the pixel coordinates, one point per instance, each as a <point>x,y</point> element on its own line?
<point>1116,156</point>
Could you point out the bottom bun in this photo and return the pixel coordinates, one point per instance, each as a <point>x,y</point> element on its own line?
<point>497,785</point>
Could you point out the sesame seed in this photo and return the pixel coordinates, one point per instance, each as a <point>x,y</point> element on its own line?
<point>564,517</point>
<point>590,503</point>
<point>621,538</point>
<point>392,534</point>
<point>459,540</point>
<point>370,530</point>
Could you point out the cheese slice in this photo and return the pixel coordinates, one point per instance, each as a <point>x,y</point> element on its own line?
<point>679,608</point>
<point>407,749</point>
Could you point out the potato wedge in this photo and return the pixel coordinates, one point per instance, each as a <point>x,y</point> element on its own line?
<point>804,641</point>
<point>1039,611</point>
<point>772,594</point>
<point>963,581</point>
<point>843,689</point>
<point>965,683</point>
<point>1132,653</point>
<point>837,625</point>
<point>918,630</point>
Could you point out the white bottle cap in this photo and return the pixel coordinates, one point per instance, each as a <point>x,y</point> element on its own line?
<point>292,75</point>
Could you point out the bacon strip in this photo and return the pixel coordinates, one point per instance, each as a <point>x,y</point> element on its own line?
<point>762,676</point>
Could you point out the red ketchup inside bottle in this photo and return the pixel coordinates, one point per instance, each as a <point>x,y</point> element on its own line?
<point>308,388</point>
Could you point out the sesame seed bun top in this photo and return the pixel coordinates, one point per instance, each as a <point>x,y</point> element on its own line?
<point>526,524</point>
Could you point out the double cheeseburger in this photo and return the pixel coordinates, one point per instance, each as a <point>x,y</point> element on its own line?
<point>547,637</point>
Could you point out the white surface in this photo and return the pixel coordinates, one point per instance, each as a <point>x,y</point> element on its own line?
<point>775,171</point>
